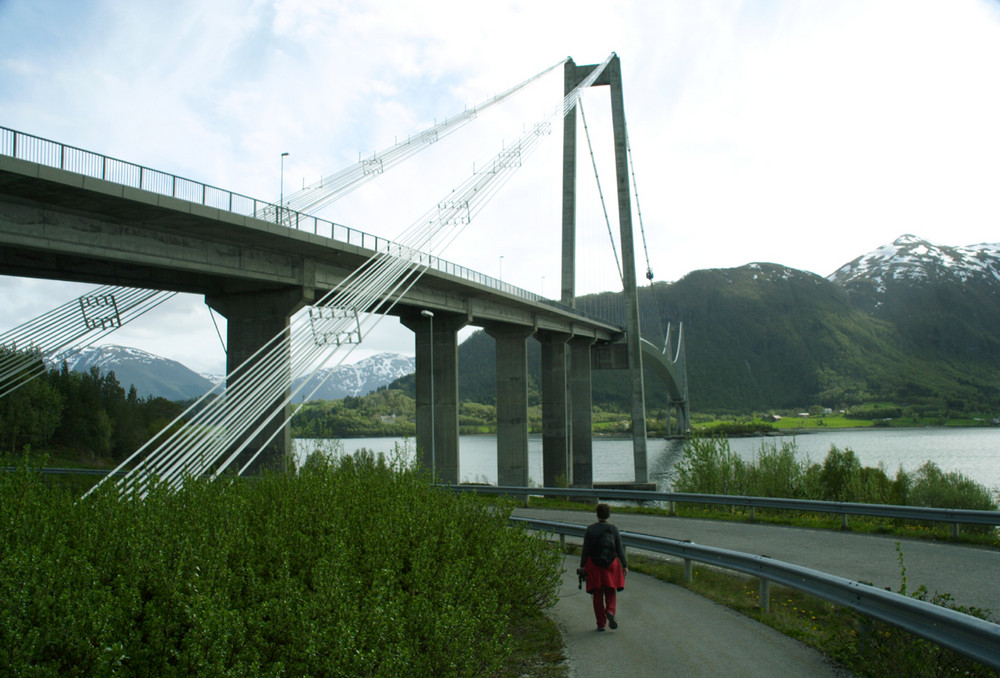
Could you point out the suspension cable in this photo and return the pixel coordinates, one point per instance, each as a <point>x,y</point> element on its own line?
<point>334,186</point>
<point>600,192</point>
<point>213,427</point>
<point>68,329</point>
<point>635,192</point>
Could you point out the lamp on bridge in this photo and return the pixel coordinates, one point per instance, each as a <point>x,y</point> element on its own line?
<point>281,200</point>
<point>430,316</point>
<point>501,268</point>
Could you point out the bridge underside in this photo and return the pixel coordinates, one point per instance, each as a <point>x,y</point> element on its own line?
<point>63,226</point>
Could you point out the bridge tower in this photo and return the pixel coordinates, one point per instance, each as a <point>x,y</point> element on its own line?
<point>611,77</point>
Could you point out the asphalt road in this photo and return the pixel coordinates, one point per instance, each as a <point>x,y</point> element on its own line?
<point>666,630</point>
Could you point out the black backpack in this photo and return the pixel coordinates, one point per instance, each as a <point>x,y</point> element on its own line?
<point>605,551</point>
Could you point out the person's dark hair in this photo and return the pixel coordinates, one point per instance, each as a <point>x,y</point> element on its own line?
<point>603,511</point>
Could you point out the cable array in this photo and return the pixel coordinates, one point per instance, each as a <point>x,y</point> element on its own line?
<point>211,434</point>
<point>68,329</point>
<point>339,184</point>
<point>600,192</point>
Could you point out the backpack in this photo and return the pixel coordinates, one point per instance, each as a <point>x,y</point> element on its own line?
<point>605,551</point>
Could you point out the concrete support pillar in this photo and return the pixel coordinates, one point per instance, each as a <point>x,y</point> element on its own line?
<point>555,410</point>
<point>512,403</point>
<point>631,296</point>
<point>436,343</point>
<point>581,408</point>
<point>253,320</point>
<point>568,289</point>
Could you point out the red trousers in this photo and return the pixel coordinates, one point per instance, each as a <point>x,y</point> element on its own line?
<point>604,602</point>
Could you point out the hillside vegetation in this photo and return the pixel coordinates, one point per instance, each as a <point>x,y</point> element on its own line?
<point>766,337</point>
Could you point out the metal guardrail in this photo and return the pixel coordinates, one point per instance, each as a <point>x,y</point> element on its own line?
<point>975,638</point>
<point>955,517</point>
<point>35,149</point>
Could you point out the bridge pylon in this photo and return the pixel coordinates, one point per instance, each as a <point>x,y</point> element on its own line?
<point>611,77</point>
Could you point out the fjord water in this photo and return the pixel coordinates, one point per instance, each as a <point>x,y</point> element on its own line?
<point>974,452</point>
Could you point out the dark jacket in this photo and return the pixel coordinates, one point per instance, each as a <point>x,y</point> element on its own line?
<point>597,576</point>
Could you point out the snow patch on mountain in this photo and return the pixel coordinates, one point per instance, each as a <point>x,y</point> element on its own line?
<point>914,259</point>
<point>153,375</point>
<point>357,379</point>
<point>105,358</point>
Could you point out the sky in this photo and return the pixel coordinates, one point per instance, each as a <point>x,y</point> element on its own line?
<point>799,132</point>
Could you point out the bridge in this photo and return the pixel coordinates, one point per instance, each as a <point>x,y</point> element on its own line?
<point>297,290</point>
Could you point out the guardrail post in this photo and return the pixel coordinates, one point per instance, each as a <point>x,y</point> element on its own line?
<point>843,521</point>
<point>687,571</point>
<point>954,530</point>
<point>764,595</point>
<point>672,512</point>
<point>562,542</point>
<point>752,514</point>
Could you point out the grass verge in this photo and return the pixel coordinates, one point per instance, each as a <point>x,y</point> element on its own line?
<point>866,647</point>
<point>538,650</point>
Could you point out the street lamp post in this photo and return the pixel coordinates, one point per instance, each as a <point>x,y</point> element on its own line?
<point>281,200</point>
<point>501,268</point>
<point>430,316</point>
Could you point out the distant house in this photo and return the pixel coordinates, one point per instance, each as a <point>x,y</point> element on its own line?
<point>803,414</point>
<point>772,417</point>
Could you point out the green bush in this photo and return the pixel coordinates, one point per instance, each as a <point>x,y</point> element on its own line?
<point>708,466</point>
<point>352,568</point>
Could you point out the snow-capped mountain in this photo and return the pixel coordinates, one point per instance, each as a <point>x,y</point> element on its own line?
<point>155,376</point>
<point>150,374</point>
<point>916,260</point>
<point>358,379</point>
<point>942,301</point>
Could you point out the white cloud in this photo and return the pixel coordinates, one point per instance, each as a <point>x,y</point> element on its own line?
<point>797,132</point>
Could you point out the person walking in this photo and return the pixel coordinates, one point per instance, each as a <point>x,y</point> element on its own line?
<point>603,559</point>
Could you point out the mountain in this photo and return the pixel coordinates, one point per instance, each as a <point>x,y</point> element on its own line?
<point>943,301</point>
<point>155,376</point>
<point>911,322</point>
<point>358,379</point>
<point>151,375</point>
<point>766,336</point>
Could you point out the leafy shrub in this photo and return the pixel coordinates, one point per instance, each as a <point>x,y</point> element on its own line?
<point>354,567</point>
<point>930,486</point>
<point>709,466</point>
<point>776,472</point>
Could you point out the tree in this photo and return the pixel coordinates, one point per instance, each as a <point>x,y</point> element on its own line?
<point>29,415</point>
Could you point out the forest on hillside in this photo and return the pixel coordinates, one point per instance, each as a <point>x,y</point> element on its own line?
<point>81,414</point>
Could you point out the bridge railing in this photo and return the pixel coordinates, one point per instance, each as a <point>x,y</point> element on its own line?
<point>975,638</point>
<point>955,517</point>
<point>35,149</point>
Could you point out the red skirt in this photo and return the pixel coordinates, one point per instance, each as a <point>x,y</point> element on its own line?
<point>611,576</point>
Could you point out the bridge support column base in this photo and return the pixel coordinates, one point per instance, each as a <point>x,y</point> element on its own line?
<point>436,344</point>
<point>254,319</point>
<point>556,469</point>
<point>581,408</point>
<point>512,403</point>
